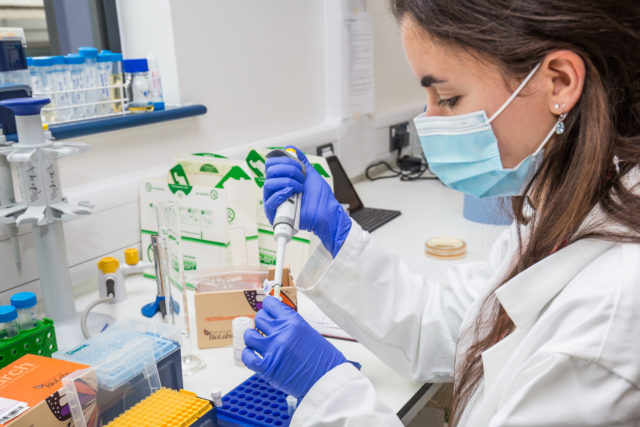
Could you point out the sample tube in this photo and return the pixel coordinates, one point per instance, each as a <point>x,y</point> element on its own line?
<point>90,55</point>
<point>32,71</point>
<point>115,79</point>
<point>216,397</point>
<point>42,86</point>
<point>59,81</point>
<point>104,71</point>
<point>76,78</point>
<point>292,403</point>
<point>8,323</point>
<point>26,305</point>
<point>238,326</point>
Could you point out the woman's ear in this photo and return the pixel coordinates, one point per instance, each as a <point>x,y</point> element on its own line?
<point>565,72</point>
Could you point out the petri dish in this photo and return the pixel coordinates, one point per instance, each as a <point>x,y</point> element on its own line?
<point>446,248</point>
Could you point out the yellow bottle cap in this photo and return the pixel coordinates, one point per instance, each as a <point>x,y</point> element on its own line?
<point>131,256</point>
<point>108,265</point>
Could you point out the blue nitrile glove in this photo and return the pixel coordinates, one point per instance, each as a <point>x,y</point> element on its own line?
<point>320,212</point>
<point>294,355</point>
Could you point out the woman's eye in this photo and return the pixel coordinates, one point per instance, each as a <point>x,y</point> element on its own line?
<point>449,102</point>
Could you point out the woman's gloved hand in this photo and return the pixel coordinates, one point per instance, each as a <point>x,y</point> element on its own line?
<point>294,355</point>
<point>320,212</point>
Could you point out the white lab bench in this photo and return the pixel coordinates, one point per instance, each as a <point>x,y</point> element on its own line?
<point>428,210</point>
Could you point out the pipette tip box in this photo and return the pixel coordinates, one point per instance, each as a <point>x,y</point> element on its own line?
<point>168,408</point>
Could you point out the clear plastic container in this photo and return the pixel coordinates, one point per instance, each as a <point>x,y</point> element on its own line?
<point>26,305</point>
<point>41,84</point>
<point>60,82</point>
<point>100,393</point>
<point>228,279</point>
<point>90,55</point>
<point>8,321</point>
<point>75,66</point>
<point>138,85</point>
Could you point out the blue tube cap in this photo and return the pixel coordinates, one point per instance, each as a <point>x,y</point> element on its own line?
<point>89,52</point>
<point>57,60</point>
<point>139,65</point>
<point>42,61</point>
<point>8,313</point>
<point>24,300</point>
<point>104,56</point>
<point>74,58</point>
<point>25,106</point>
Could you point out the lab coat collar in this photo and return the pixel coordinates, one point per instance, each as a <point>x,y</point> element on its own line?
<point>525,296</point>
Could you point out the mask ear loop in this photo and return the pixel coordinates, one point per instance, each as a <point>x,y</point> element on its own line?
<point>515,93</point>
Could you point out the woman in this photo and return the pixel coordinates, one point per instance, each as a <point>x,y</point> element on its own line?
<point>538,99</point>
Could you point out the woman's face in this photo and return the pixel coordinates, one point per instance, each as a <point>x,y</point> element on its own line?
<point>457,83</point>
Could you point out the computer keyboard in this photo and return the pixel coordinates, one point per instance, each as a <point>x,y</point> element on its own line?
<point>372,218</point>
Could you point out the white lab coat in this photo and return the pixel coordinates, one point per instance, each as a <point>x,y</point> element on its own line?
<point>572,360</point>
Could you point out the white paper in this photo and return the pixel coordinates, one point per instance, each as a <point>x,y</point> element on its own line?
<point>357,60</point>
<point>318,320</point>
<point>9,409</point>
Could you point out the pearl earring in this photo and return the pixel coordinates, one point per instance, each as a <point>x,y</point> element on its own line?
<point>556,106</point>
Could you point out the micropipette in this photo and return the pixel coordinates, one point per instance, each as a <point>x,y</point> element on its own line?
<point>286,221</point>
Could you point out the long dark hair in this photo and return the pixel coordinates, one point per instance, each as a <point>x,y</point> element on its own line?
<point>578,172</point>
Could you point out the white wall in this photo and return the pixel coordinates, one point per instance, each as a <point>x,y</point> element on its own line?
<point>259,68</point>
<point>395,84</point>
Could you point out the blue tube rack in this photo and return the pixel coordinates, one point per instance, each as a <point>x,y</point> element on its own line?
<point>254,403</point>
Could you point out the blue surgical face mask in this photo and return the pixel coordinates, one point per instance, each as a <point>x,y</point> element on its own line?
<point>463,152</point>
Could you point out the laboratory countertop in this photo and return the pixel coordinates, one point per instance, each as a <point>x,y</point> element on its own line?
<point>428,210</point>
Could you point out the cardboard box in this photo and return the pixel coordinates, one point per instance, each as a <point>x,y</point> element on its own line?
<point>217,200</point>
<point>203,223</point>
<point>216,310</point>
<point>231,177</point>
<point>35,382</point>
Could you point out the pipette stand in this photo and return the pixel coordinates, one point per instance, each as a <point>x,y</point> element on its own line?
<point>40,203</point>
<point>7,197</point>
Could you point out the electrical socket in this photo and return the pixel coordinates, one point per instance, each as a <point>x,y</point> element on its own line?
<point>325,150</point>
<point>399,136</point>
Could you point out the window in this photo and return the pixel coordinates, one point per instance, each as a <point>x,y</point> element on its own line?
<point>58,27</point>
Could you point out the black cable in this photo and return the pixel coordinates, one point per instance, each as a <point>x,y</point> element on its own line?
<point>403,174</point>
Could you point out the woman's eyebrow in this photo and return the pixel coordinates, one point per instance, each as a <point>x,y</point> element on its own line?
<point>429,80</point>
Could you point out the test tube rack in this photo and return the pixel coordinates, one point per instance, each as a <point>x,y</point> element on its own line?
<point>40,340</point>
<point>118,106</point>
<point>254,403</point>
